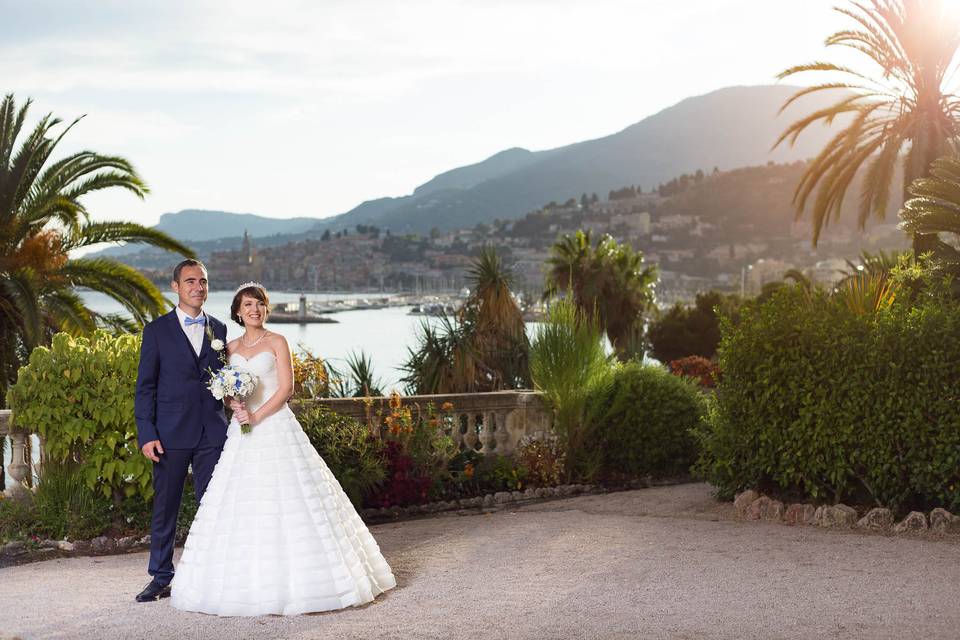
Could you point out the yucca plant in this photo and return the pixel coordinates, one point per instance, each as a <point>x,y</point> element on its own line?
<point>443,361</point>
<point>42,220</point>
<point>497,333</point>
<point>568,363</point>
<point>902,108</point>
<point>867,293</point>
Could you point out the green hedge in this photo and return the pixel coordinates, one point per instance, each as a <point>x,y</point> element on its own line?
<point>820,402</point>
<point>642,423</point>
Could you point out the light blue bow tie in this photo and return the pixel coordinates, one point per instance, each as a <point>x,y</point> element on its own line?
<point>189,321</point>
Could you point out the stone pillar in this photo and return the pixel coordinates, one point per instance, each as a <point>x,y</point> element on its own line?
<point>19,468</point>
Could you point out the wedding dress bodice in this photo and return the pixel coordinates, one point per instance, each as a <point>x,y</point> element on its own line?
<point>264,366</point>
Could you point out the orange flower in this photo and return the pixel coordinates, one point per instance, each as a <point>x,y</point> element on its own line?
<point>395,400</point>
<point>447,406</point>
<point>468,470</point>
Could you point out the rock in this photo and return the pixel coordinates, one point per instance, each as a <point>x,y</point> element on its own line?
<point>49,544</point>
<point>365,514</point>
<point>839,516</point>
<point>799,513</point>
<point>530,493</point>
<point>64,545</point>
<point>502,497</point>
<point>744,500</point>
<point>915,521</point>
<point>565,490</point>
<point>145,540</point>
<point>81,546</point>
<point>773,511</point>
<point>489,500</point>
<point>517,495</point>
<point>13,548</point>
<point>126,542</point>
<point>551,492</point>
<point>877,519</point>
<point>103,543</point>
<point>942,521</point>
<point>756,508</point>
<point>540,492</point>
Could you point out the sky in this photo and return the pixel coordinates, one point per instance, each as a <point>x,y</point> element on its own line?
<point>288,108</point>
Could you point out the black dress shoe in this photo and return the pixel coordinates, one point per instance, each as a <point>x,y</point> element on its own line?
<point>154,591</point>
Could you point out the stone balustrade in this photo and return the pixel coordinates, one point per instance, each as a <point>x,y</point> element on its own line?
<point>490,422</point>
<point>20,470</point>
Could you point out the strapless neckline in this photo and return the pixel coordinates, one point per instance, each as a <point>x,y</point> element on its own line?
<point>254,356</point>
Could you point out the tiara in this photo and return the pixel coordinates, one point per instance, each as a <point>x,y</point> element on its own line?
<point>248,284</point>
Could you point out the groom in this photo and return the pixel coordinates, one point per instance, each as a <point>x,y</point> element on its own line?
<point>179,423</point>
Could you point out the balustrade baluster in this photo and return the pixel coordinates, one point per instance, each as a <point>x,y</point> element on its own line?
<point>486,433</point>
<point>470,437</point>
<point>501,435</point>
<point>19,468</point>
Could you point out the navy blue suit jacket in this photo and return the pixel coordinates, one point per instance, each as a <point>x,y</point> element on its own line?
<point>172,403</point>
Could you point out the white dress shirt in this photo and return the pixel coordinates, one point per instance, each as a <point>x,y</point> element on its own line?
<point>194,332</point>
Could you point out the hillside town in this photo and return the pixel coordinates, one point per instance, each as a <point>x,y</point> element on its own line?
<point>695,252</point>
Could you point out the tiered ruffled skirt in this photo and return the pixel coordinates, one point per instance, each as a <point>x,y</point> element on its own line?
<point>275,533</point>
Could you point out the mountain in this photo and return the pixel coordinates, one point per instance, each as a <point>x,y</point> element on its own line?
<point>201,226</point>
<point>728,128</point>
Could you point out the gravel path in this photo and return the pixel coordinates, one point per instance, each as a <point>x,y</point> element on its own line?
<point>665,562</point>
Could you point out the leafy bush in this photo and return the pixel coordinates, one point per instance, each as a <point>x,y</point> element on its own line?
<point>685,331</point>
<point>642,423</point>
<point>78,394</point>
<point>820,400</point>
<point>703,371</point>
<point>354,456</point>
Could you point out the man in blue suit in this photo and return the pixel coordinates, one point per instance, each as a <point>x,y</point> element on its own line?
<point>179,423</point>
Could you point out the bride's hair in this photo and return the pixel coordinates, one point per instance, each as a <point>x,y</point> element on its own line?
<point>253,291</point>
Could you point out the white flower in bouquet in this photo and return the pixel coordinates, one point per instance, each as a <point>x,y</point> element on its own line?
<point>234,382</point>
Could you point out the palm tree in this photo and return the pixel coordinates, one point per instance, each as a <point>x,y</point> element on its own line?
<point>42,219</point>
<point>904,107</point>
<point>607,280</point>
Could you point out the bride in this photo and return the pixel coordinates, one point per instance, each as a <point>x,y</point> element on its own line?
<point>274,533</point>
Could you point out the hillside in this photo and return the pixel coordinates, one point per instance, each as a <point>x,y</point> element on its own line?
<point>728,128</point>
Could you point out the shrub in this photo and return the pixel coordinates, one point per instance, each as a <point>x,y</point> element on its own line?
<point>542,458</point>
<point>821,400</point>
<point>641,424</point>
<point>704,372</point>
<point>78,394</point>
<point>685,331</point>
<point>354,456</point>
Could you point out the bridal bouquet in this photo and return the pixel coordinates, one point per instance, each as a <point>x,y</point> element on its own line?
<point>235,382</point>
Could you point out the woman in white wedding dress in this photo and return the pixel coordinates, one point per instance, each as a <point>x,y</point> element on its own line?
<point>275,533</point>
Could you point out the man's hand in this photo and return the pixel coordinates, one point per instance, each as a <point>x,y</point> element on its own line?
<point>153,450</point>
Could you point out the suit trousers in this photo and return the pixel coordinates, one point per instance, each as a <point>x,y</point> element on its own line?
<point>169,477</point>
